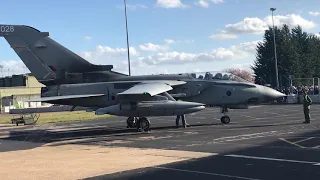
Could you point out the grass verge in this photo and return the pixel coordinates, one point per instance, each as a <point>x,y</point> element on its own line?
<point>54,117</point>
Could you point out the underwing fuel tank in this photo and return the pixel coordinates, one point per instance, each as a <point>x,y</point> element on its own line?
<point>151,108</point>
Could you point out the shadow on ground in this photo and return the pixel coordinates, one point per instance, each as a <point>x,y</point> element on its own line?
<point>42,136</point>
<point>287,162</point>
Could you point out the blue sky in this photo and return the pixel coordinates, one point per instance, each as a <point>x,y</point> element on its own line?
<point>165,36</point>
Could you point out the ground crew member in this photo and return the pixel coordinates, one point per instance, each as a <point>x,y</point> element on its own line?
<point>306,106</point>
<point>184,123</point>
<point>183,119</point>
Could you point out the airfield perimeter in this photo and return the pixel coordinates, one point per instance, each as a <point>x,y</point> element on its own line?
<point>263,142</point>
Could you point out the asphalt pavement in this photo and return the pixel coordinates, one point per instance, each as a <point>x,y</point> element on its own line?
<point>263,142</point>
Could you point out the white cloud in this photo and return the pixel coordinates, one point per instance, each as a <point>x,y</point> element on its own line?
<point>87,38</point>
<point>11,67</point>
<point>133,7</point>
<point>217,1</point>
<point>318,35</point>
<point>170,4</point>
<point>241,51</point>
<point>197,70</point>
<point>237,54</point>
<point>182,57</point>
<point>203,3</point>
<point>242,66</point>
<point>223,35</point>
<point>105,54</point>
<point>169,41</point>
<point>186,41</point>
<point>258,26</point>
<point>152,47</point>
<point>136,6</point>
<point>314,13</point>
<point>246,48</point>
<point>248,25</point>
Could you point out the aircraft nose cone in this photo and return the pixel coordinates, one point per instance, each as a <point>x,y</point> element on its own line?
<point>271,94</point>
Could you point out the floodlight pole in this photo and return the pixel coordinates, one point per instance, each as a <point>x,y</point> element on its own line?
<point>275,48</point>
<point>125,11</point>
<point>1,66</point>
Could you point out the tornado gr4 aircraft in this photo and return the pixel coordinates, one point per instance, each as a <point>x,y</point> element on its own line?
<point>71,80</point>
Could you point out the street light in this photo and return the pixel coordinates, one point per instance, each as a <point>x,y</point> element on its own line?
<point>1,66</point>
<point>125,11</point>
<point>275,48</point>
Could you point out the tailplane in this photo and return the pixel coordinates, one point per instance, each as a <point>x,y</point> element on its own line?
<point>47,60</point>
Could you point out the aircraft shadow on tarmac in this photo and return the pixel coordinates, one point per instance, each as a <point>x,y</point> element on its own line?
<point>47,136</point>
<point>223,166</point>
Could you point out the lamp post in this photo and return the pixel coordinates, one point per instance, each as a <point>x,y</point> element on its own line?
<point>1,66</point>
<point>275,48</point>
<point>125,12</point>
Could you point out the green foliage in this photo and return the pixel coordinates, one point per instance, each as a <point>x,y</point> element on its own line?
<point>298,55</point>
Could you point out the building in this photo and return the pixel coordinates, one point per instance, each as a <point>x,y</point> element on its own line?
<point>17,88</point>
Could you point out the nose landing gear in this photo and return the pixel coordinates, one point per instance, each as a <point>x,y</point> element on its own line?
<point>225,119</point>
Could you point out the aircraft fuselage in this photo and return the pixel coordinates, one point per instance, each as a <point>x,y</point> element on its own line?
<point>208,92</point>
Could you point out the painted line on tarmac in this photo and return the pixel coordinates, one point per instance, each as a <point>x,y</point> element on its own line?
<point>272,159</point>
<point>256,106</point>
<point>304,140</point>
<point>204,173</point>
<point>292,143</point>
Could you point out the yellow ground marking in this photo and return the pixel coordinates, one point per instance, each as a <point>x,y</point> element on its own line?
<point>291,143</point>
<point>304,140</point>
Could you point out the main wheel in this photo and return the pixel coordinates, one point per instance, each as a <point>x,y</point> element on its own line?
<point>144,124</point>
<point>225,119</point>
<point>131,122</point>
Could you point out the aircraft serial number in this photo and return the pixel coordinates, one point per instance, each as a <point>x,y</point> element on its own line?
<point>6,29</point>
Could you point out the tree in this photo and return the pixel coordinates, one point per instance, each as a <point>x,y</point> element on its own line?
<point>297,54</point>
<point>246,75</point>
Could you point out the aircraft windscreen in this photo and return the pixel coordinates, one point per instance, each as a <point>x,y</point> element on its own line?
<point>216,76</point>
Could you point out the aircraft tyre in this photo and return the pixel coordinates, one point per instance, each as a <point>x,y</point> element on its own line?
<point>144,124</point>
<point>131,122</point>
<point>225,119</point>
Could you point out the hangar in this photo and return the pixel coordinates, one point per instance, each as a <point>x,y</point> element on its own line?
<point>17,88</point>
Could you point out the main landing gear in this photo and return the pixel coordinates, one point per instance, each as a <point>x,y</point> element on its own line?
<point>141,123</point>
<point>225,119</point>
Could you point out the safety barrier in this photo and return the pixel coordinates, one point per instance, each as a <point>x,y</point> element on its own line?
<point>297,99</point>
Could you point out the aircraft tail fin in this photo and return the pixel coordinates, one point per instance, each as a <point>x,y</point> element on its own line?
<point>45,58</point>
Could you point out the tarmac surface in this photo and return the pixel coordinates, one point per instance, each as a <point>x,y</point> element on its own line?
<point>263,142</point>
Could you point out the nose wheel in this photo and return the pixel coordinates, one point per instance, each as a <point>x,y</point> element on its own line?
<point>225,119</point>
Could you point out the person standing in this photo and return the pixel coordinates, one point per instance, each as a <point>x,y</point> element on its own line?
<point>184,122</point>
<point>306,106</point>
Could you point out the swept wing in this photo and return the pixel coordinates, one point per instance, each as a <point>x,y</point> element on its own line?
<point>138,92</point>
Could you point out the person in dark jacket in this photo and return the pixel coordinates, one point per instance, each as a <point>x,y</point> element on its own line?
<point>306,106</point>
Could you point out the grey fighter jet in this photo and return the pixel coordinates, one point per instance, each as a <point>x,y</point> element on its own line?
<point>71,80</point>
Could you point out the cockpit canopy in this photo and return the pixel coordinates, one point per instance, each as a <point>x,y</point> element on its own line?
<point>216,76</point>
